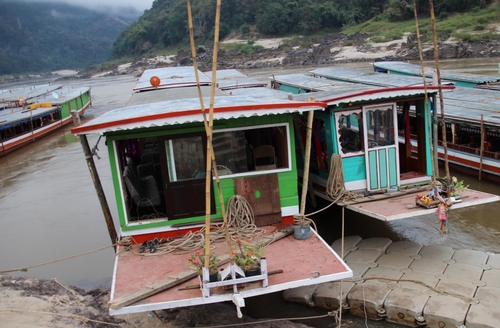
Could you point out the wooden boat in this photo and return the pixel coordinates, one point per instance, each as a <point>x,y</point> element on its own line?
<point>469,112</point>
<point>361,125</point>
<point>157,150</point>
<point>458,79</point>
<point>29,114</point>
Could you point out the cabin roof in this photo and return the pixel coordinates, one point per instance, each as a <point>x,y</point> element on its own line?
<point>28,92</point>
<point>171,77</point>
<point>227,79</point>
<point>412,69</point>
<point>462,104</point>
<point>367,77</point>
<point>181,111</point>
<point>20,115</point>
<point>65,95</point>
<point>307,82</point>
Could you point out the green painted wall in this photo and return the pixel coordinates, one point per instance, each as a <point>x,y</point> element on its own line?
<point>288,183</point>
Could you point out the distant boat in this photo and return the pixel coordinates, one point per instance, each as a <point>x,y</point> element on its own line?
<point>458,79</point>
<point>28,114</point>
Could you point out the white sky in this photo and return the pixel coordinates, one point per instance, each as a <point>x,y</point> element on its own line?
<point>96,4</point>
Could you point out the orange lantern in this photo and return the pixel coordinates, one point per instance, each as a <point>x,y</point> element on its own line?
<point>155,81</point>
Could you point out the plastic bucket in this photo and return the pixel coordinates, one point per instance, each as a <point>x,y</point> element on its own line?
<point>302,232</point>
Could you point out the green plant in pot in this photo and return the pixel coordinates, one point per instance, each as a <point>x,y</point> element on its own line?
<point>248,255</point>
<point>198,260</point>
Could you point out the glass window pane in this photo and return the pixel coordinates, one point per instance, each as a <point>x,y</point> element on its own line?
<point>350,132</point>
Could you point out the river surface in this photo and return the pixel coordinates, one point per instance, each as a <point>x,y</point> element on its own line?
<point>49,209</point>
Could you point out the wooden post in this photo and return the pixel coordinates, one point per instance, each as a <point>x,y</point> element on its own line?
<point>98,187</point>
<point>307,160</point>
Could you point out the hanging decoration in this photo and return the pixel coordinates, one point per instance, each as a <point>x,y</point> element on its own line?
<point>443,209</point>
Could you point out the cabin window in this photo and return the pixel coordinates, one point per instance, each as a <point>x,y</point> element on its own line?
<point>349,132</point>
<point>251,149</point>
<point>380,125</point>
<point>185,158</point>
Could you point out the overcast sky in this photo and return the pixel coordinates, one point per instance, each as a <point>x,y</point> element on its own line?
<point>97,4</point>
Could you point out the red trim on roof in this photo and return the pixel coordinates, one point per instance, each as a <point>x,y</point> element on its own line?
<point>192,112</point>
<point>150,87</point>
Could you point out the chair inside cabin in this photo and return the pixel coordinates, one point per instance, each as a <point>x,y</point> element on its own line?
<point>142,191</point>
<point>264,158</point>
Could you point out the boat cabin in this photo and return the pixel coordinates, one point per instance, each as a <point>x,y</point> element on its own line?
<point>157,150</point>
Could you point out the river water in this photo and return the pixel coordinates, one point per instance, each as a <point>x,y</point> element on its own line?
<point>49,209</point>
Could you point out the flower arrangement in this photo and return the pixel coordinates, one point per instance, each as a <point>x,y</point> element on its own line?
<point>247,255</point>
<point>198,259</point>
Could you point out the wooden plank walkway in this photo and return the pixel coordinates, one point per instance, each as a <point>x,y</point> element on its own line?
<point>410,284</point>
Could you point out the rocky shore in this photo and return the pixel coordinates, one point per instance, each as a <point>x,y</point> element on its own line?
<point>329,50</point>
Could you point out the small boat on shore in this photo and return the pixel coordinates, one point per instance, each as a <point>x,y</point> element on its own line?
<point>28,114</point>
<point>157,147</point>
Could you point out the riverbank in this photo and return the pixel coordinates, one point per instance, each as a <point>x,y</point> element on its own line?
<point>30,302</point>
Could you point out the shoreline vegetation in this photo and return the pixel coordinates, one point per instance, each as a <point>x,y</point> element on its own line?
<point>331,49</point>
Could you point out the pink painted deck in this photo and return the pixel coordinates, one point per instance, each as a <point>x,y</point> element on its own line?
<point>400,207</point>
<point>304,262</point>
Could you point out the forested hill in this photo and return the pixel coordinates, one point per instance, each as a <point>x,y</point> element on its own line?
<point>165,24</point>
<point>38,36</point>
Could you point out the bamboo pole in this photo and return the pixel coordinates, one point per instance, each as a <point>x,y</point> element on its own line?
<point>432,123</point>
<point>205,122</point>
<point>307,160</point>
<point>441,101</point>
<point>481,149</point>
<point>209,133</point>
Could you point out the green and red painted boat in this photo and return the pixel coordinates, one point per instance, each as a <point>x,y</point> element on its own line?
<point>157,148</point>
<point>28,114</point>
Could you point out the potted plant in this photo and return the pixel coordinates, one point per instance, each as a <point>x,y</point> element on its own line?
<point>198,260</point>
<point>248,255</point>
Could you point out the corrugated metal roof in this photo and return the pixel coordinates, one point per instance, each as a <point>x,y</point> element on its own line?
<point>183,111</point>
<point>65,95</point>
<point>35,91</point>
<point>412,69</point>
<point>305,82</point>
<point>147,97</point>
<point>171,77</point>
<point>227,79</point>
<point>367,77</point>
<point>462,104</point>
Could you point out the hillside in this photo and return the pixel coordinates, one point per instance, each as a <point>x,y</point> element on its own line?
<point>49,36</point>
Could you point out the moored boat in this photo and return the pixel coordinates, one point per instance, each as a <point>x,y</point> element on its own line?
<point>469,113</point>
<point>28,114</point>
<point>361,127</point>
<point>157,148</point>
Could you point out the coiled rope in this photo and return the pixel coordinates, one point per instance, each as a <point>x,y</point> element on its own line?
<point>241,223</point>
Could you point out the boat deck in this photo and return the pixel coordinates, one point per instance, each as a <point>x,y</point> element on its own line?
<point>303,262</point>
<point>400,204</point>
